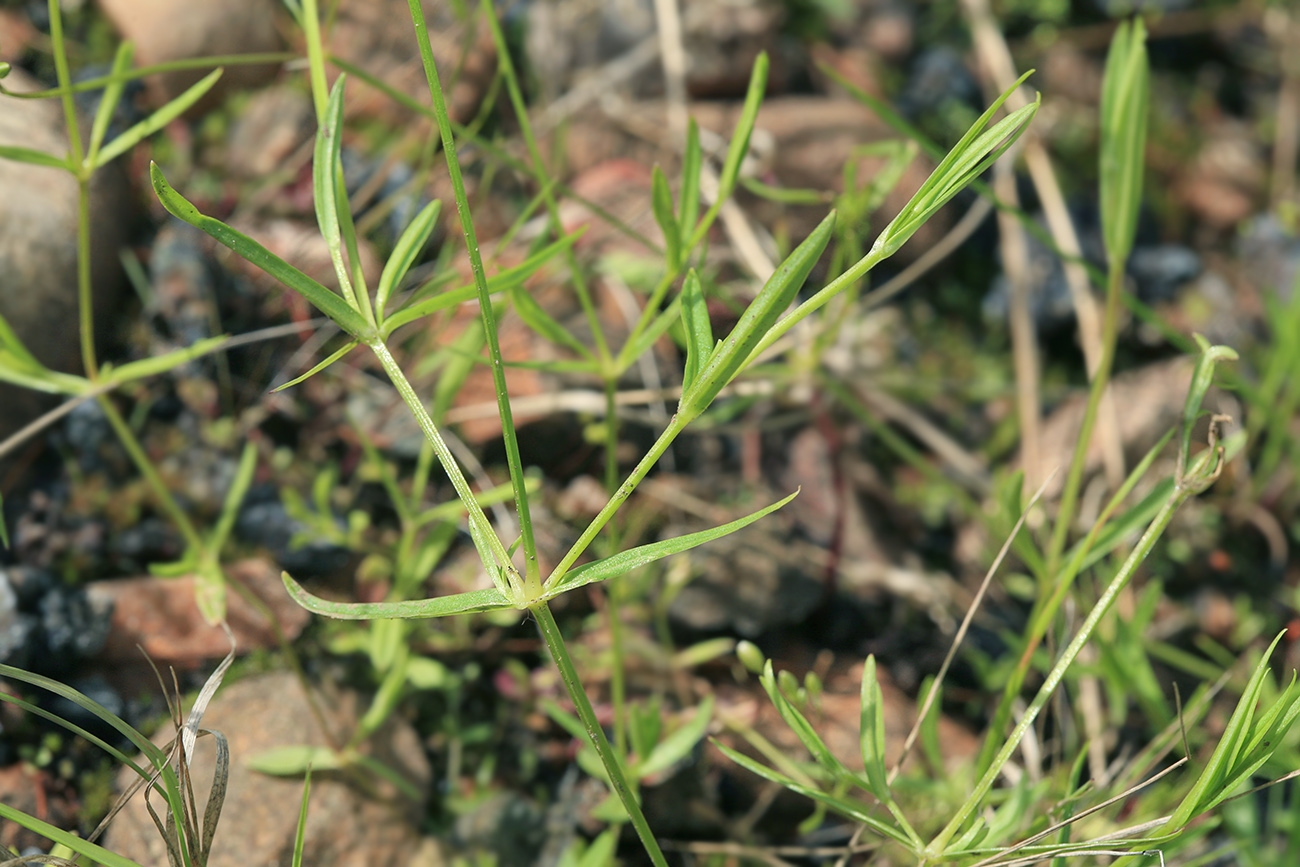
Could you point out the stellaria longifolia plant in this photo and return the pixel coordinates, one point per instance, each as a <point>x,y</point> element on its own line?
<point>984,830</point>
<point>85,156</point>
<point>711,364</point>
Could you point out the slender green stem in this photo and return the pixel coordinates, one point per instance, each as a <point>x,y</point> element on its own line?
<point>547,190</point>
<point>675,426</point>
<point>1121,579</point>
<point>1100,379</point>
<point>532,575</point>
<point>485,538</point>
<point>147,469</point>
<point>1049,597</point>
<point>65,83</point>
<point>617,778</point>
<point>315,57</point>
<point>85,299</point>
<point>613,589</point>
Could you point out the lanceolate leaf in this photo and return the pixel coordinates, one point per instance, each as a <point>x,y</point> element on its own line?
<point>442,606</point>
<point>689,206</point>
<point>330,359</point>
<point>699,331</point>
<point>323,299</point>
<point>503,279</point>
<point>744,127</point>
<point>854,810</point>
<point>1124,98</point>
<point>661,202</point>
<point>635,558</point>
<point>325,170</point>
<point>413,239</point>
<point>157,120</point>
<point>770,304</point>
<point>34,157</point>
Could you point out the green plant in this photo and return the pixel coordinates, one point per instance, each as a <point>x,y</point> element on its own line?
<point>710,366</point>
<point>85,156</point>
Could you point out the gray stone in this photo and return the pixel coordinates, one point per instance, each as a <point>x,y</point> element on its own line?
<point>38,243</point>
<point>345,825</point>
<point>167,30</point>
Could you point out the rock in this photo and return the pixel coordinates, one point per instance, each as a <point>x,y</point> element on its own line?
<point>272,126</point>
<point>165,30</point>
<point>47,626</point>
<point>38,237</point>
<point>259,819</point>
<point>160,617</point>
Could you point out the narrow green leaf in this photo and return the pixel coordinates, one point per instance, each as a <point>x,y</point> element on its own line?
<point>699,330</point>
<point>300,836</point>
<point>111,96</point>
<point>4,528</point>
<point>1209,786</point>
<point>635,558</point>
<point>536,318</point>
<point>34,157</point>
<point>155,756</point>
<point>769,305</point>
<point>853,810</point>
<point>91,851</point>
<point>409,246</point>
<point>147,367</point>
<point>1125,96</point>
<point>234,497</point>
<point>661,203</point>
<point>968,159</point>
<point>325,169</point>
<point>386,697</point>
<point>157,120</point>
<point>744,127</point>
<point>501,281</point>
<point>19,354</point>
<point>689,206</point>
<point>47,381</point>
<point>872,731</point>
<point>799,724</point>
<point>443,606</point>
<point>330,359</point>
<point>321,298</point>
<point>679,744</point>
<point>294,760</point>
